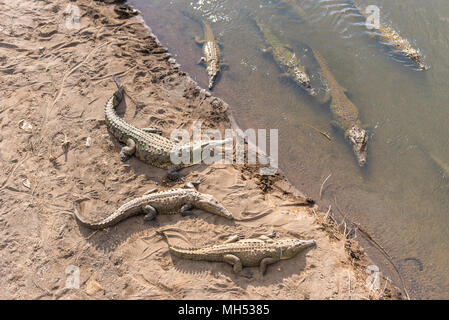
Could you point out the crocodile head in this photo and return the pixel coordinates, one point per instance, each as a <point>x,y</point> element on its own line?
<point>418,60</point>
<point>416,57</point>
<point>208,203</point>
<point>359,140</point>
<point>304,80</point>
<point>291,247</point>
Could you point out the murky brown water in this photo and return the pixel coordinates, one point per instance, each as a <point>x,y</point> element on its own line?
<point>401,197</point>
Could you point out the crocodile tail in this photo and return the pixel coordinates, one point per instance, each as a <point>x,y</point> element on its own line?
<point>117,82</point>
<point>191,16</point>
<point>190,253</point>
<point>319,58</point>
<point>119,215</point>
<point>120,90</point>
<point>84,222</point>
<point>175,249</point>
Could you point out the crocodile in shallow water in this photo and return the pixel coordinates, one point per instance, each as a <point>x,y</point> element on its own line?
<point>285,58</point>
<point>146,144</point>
<point>392,38</point>
<point>211,53</point>
<point>295,7</point>
<point>241,253</point>
<point>437,161</point>
<point>344,112</point>
<point>180,200</point>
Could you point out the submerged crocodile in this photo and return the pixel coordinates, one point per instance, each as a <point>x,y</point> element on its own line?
<point>180,200</point>
<point>390,37</point>
<point>293,5</point>
<point>146,144</point>
<point>211,53</point>
<point>443,166</point>
<point>286,58</point>
<point>241,253</point>
<point>344,112</point>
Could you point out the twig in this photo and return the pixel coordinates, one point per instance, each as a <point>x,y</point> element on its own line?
<point>322,185</point>
<point>325,134</point>
<point>385,253</point>
<point>349,284</point>
<point>327,213</point>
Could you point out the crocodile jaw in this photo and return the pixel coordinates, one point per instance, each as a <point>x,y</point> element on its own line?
<point>208,203</point>
<point>359,140</point>
<point>416,57</point>
<point>291,247</point>
<point>304,80</point>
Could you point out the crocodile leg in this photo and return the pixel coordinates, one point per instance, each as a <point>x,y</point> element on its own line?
<point>266,50</point>
<point>186,210</point>
<point>264,263</point>
<point>128,151</point>
<point>152,130</point>
<point>234,261</point>
<point>202,60</point>
<point>173,174</point>
<point>198,40</point>
<point>151,191</point>
<point>194,184</point>
<point>150,213</point>
<point>234,238</point>
<point>265,238</point>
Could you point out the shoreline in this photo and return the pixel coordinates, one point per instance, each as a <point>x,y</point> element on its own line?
<point>130,251</point>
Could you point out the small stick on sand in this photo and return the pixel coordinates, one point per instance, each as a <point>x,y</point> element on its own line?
<point>322,185</point>
<point>327,213</point>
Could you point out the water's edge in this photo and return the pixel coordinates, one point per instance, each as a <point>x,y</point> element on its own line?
<point>372,253</point>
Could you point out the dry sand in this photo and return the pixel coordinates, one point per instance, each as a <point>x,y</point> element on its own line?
<point>54,83</point>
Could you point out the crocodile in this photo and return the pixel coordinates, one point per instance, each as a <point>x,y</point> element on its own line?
<point>293,5</point>
<point>444,167</point>
<point>147,144</point>
<point>285,58</point>
<point>211,53</point>
<point>344,112</point>
<point>392,38</point>
<point>180,200</point>
<point>239,252</point>
<point>437,161</point>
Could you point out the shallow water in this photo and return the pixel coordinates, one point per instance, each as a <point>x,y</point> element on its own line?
<point>401,196</point>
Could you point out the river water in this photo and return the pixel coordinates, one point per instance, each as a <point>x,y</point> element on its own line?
<point>401,196</point>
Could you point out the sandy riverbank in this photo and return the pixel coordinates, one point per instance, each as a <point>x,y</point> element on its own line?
<point>55,81</point>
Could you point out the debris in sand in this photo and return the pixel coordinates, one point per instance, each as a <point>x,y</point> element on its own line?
<point>88,142</point>
<point>92,287</point>
<point>65,144</point>
<point>25,125</point>
<point>26,183</point>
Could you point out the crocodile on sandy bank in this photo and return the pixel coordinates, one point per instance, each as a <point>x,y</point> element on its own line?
<point>180,200</point>
<point>285,58</point>
<point>211,53</point>
<point>146,144</point>
<point>392,38</point>
<point>240,252</point>
<point>344,112</point>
